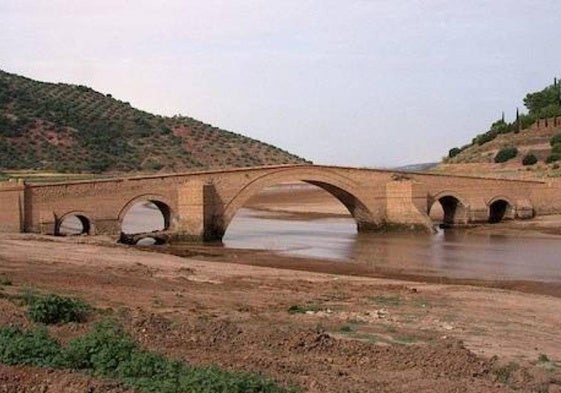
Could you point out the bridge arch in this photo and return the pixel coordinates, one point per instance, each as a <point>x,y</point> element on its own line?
<point>163,204</point>
<point>500,207</point>
<point>342,188</point>
<point>454,207</point>
<point>80,222</point>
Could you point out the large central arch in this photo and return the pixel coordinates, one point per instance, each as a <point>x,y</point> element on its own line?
<point>344,189</point>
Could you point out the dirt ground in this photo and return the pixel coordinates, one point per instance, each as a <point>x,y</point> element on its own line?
<point>323,331</point>
<point>349,334</point>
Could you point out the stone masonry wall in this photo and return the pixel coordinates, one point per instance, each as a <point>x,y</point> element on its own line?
<point>11,206</point>
<point>202,204</point>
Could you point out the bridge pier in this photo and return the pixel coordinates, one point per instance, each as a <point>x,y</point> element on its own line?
<point>193,200</point>
<point>524,209</point>
<point>406,205</point>
<point>12,206</point>
<point>477,212</point>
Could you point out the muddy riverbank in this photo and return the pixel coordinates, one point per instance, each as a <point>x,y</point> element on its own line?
<point>322,332</point>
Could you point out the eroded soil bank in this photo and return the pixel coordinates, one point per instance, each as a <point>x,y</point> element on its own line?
<point>321,332</point>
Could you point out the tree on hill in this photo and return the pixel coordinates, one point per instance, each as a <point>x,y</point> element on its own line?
<point>545,103</point>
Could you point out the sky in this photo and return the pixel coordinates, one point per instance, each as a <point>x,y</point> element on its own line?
<point>347,82</point>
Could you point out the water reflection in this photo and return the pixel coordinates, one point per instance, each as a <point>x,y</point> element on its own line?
<point>453,253</point>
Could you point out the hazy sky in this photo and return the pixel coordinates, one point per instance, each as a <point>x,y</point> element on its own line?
<point>348,82</point>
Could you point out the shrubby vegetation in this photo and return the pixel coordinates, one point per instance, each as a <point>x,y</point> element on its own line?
<point>51,309</point>
<point>555,140</point>
<point>76,129</point>
<point>33,347</point>
<point>529,159</point>
<point>454,152</point>
<point>506,154</point>
<point>542,104</point>
<point>107,351</point>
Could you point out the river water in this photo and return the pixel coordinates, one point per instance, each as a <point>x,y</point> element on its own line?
<point>453,253</point>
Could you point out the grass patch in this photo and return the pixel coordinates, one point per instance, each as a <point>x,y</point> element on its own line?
<point>5,281</point>
<point>504,373</point>
<point>372,338</point>
<point>52,309</point>
<point>423,303</point>
<point>406,340</point>
<point>347,328</point>
<point>545,362</point>
<point>391,329</point>
<point>543,358</point>
<point>391,300</point>
<point>33,347</point>
<point>107,351</point>
<point>302,309</point>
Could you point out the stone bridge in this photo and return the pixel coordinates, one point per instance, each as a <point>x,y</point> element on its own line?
<point>201,205</point>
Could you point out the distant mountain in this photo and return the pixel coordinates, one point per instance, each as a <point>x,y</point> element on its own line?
<point>70,128</point>
<point>417,167</point>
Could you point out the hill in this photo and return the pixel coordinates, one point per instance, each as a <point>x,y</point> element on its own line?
<point>528,144</point>
<point>72,128</point>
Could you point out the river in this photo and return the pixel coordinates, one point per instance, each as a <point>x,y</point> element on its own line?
<point>453,253</point>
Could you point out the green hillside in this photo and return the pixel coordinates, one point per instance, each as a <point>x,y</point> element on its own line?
<point>68,128</point>
<point>530,134</point>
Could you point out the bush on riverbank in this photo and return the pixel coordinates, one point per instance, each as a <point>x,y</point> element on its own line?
<point>52,309</point>
<point>108,351</point>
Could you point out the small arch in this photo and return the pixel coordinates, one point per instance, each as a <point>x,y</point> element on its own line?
<point>146,213</point>
<point>452,209</point>
<point>500,208</point>
<point>72,224</point>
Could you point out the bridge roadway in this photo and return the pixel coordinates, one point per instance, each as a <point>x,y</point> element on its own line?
<point>201,205</point>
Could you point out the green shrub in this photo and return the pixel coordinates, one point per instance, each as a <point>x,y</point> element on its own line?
<point>33,347</point>
<point>555,139</point>
<point>454,152</point>
<point>529,159</point>
<point>556,148</point>
<point>506,154</point>
<point>552,158</point>
<point>299,309</point>
<point>347,328</point>
<point>57,309</point>
<point>504,373</point>
<point>108,351</point>
<point>484,138</point>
